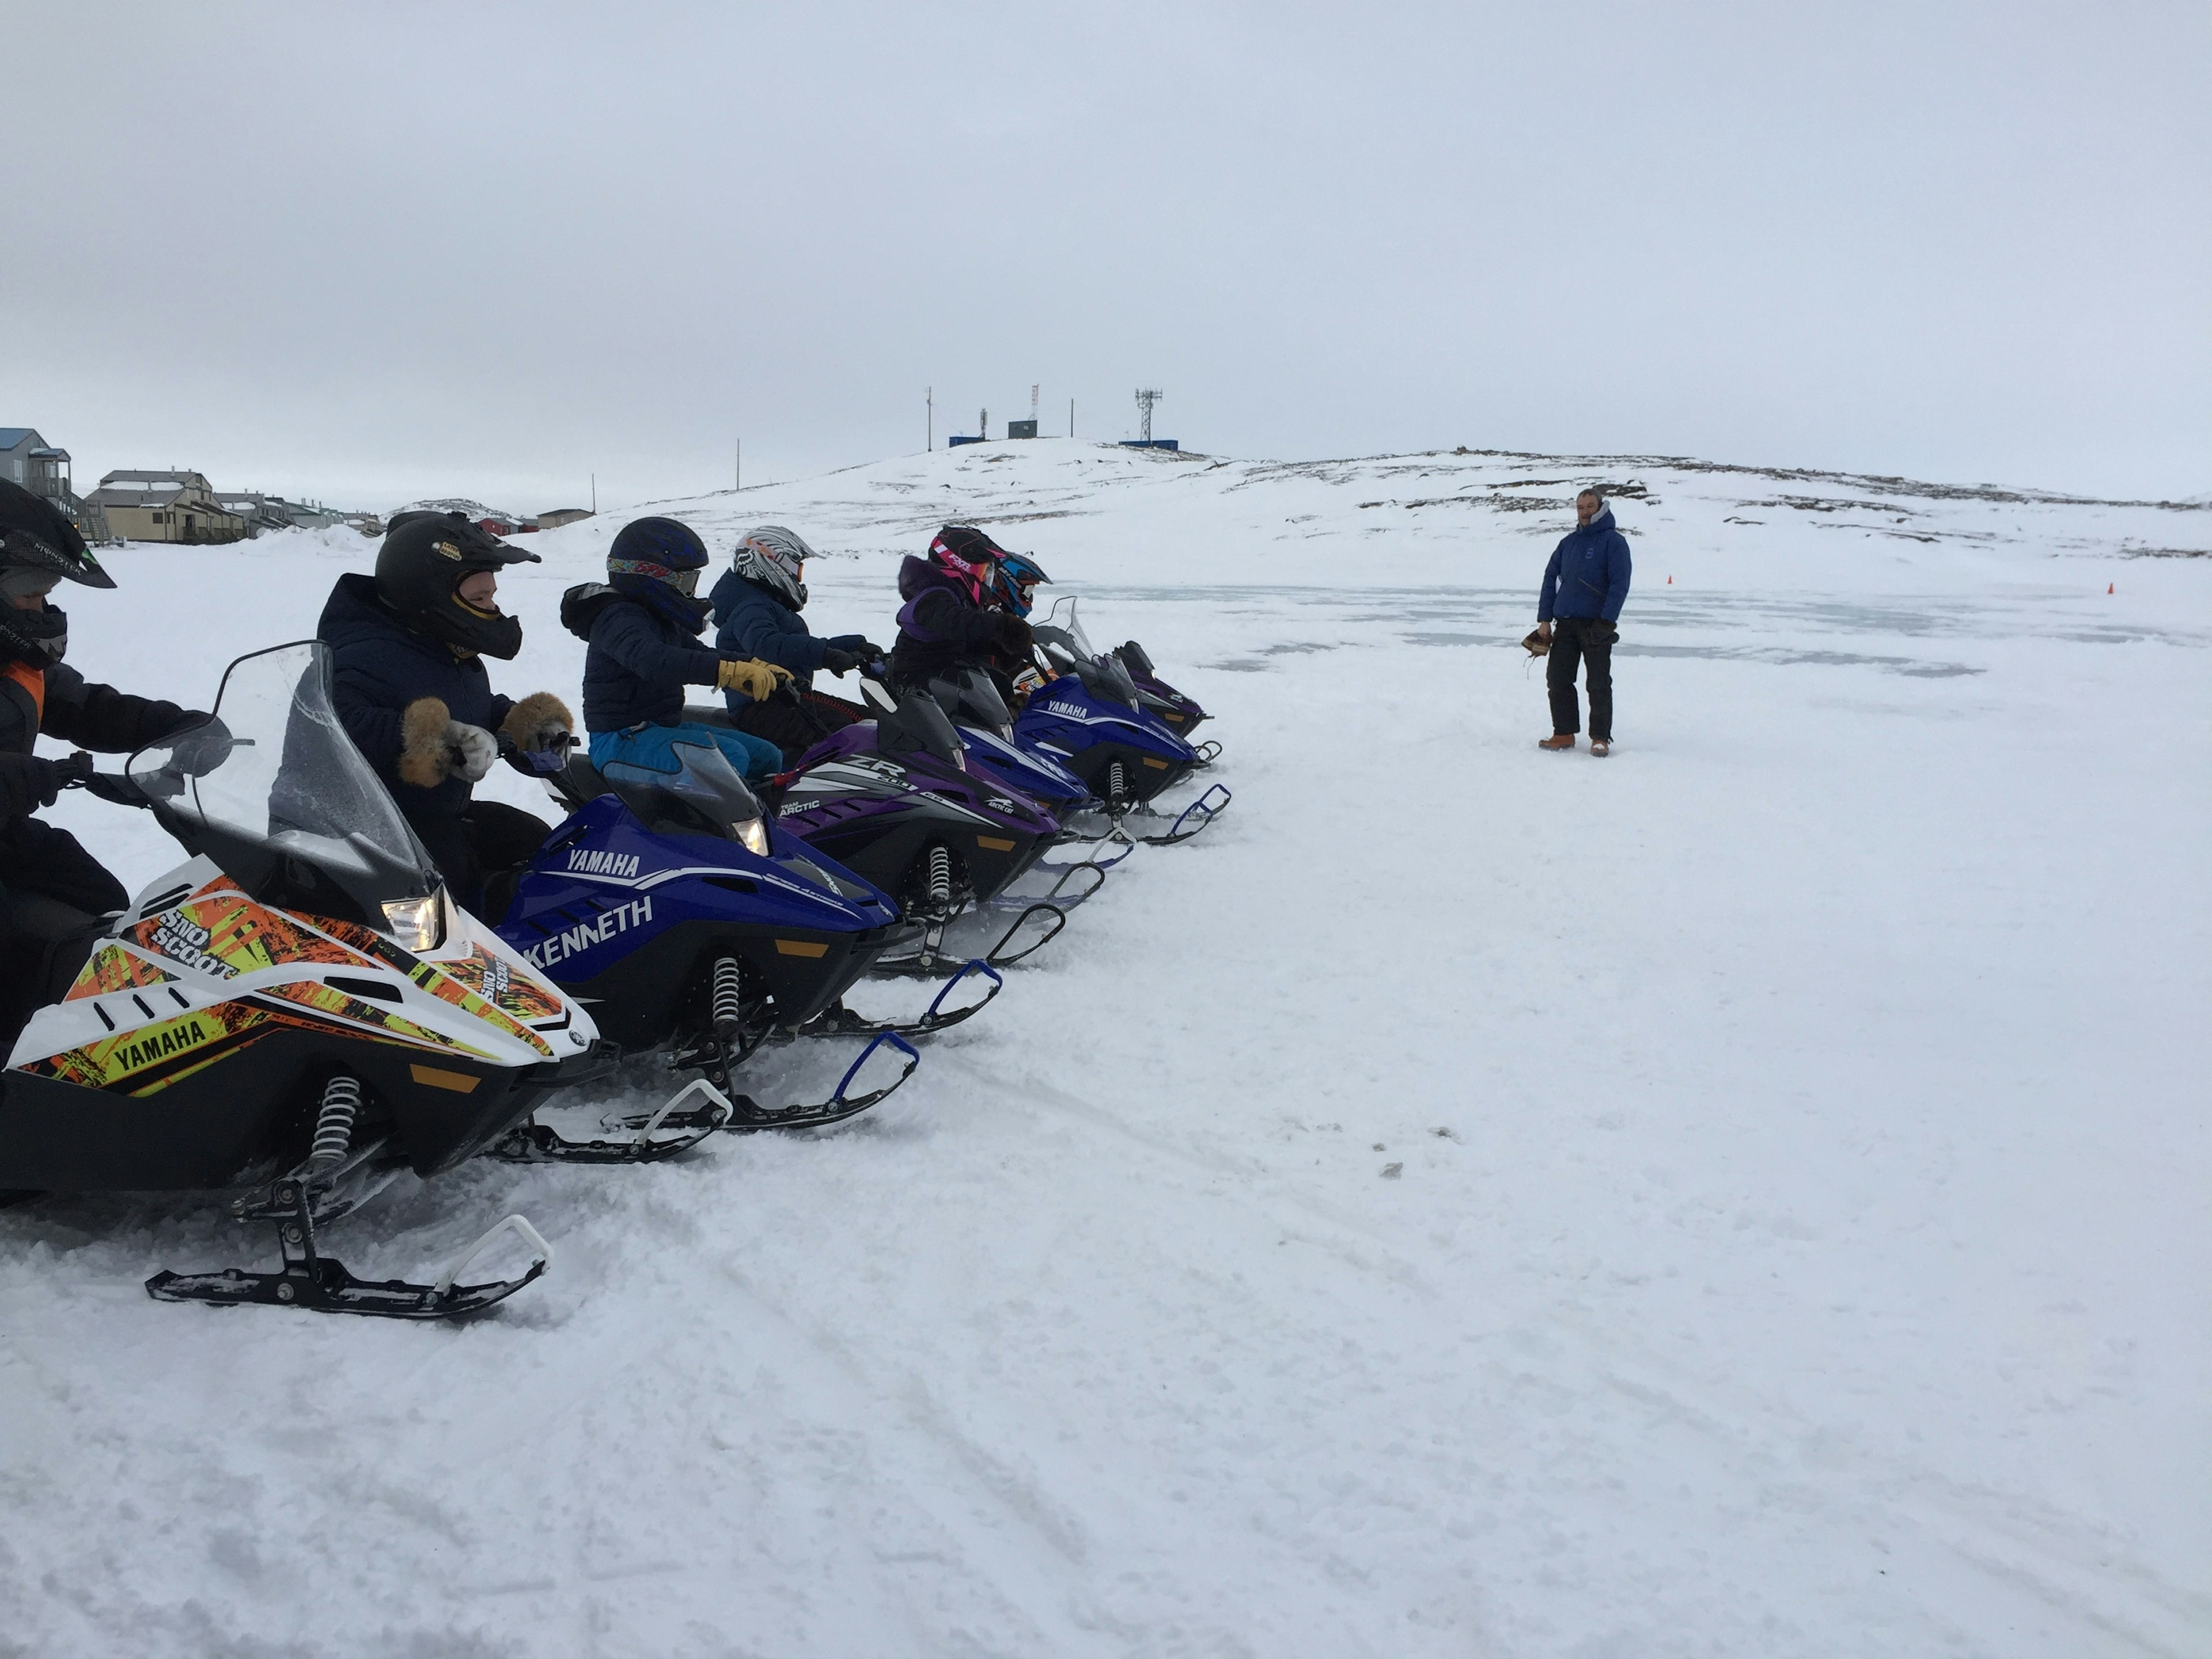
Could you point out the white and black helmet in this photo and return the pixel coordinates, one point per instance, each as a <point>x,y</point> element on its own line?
<point>773,557</point>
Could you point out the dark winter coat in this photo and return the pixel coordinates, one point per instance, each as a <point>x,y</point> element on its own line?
<point>639,662</point>
<point>1588,575</point>
<point>61,703</point>
<point>379,665</point>
<point>940,626</point>
<point>750,621</point>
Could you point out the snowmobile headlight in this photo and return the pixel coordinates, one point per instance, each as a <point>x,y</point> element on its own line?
<point>416,924</point>
<point>753,834</point>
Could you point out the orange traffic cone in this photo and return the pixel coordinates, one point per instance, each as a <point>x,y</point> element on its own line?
<point>1670,581</point>
<point>2108,586</point>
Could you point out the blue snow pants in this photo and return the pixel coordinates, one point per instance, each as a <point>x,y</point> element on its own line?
<point>649,746</point>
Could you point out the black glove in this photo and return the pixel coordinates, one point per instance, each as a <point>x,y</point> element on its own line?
<point>868,651</point>
<point>30,781</point>
<point>1609,633</point>
<point>195,750</point>
<point>1012,634</point>
<point>839,662</point>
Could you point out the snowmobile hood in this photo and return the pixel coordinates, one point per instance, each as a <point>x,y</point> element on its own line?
<point>846,765</point>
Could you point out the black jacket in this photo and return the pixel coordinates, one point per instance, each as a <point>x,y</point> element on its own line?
<point>940,627</point>
<point>379,665</point>
<point>71,708</point>
<point>639,662</point>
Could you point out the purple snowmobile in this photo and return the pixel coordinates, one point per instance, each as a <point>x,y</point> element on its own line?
<point>894,800</point>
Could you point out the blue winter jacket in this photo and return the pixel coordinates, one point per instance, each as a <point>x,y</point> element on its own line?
<point>1588,575</point>
<point>379,665</point>
<point>751,621</point>
<point>637,667</point>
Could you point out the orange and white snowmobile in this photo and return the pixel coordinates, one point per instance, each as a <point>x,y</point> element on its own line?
<point>292,1016</point>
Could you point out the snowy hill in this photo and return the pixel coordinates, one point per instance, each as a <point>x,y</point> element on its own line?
<point>1743,1198</point>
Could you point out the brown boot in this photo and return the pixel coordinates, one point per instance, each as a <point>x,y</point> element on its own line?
<point>1559,740</point>
<point>1601,747</point>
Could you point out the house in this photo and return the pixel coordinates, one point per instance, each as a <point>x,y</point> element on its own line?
<point>28,459</point>
<point>259,512</point>
<point>175,506</point>
<point>561,515</point>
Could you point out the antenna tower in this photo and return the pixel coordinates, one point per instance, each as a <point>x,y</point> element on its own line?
<point>1144,401</point>
<point>1033,392</point>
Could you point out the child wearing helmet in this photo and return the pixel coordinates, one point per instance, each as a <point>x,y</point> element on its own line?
<point>1014,581</point>
<point>408,680</point>
<point>952,618</point>
<point>756,610</point>
<point>642,624</point>
<point>52,892</point>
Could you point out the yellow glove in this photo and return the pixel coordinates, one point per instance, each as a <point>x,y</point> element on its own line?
<point>756,678</point>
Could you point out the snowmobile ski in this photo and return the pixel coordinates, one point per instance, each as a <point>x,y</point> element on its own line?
<point>320,1283</point>
<point>1204,809</point>
<point>838,1020</point>
<point>743,1114</point>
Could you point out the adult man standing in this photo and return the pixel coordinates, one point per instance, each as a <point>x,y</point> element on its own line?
<point>1584,587</point>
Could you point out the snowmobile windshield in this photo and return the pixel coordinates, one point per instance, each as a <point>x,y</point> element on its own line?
<point>918,726</point>
<point>972,699</point>
<point>274,791</point>
<point>703,795</point>
<point>1104,675</point>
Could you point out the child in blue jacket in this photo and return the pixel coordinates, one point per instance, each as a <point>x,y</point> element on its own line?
<point>643,627</point>
<point>756,605</point>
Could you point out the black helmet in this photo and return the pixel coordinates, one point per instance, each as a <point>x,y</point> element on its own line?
<point>39,548</point>
<point>424,558</point>
<point>657,562</point>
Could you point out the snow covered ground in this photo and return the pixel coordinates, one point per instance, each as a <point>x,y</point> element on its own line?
<point>1748,1197</point>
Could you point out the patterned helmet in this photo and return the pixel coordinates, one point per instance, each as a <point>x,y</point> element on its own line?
<point>775,559</point>
<point>1016,573</point>
<point>969,553</point>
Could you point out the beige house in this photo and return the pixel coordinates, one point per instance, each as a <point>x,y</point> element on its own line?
<point>165,506</point>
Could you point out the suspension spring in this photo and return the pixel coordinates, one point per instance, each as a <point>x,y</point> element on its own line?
<point>1117,783</point>
<point>729,1009</point>
<point>940,875</point>
<point>334,1123</point>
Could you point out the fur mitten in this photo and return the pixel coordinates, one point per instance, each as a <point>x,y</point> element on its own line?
<point>539,724</point>
<point>425,756</point>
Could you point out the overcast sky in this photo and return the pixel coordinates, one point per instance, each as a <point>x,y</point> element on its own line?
<point>373,251</point>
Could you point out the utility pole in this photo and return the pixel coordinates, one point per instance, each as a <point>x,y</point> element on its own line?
<point>595,494</point>
<point>1071,417</point>
<point>982,424</point>
<point>929,405</point>
<point>741,463</point>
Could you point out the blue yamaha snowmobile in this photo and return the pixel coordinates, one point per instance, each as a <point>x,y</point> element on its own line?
<point>1087,718</point>
<point>684,917</point>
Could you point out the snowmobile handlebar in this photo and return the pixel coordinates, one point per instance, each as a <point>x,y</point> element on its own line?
<point>77,773</point>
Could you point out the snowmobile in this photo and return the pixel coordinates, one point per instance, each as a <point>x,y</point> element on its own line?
<point>1178,711</point>
<point>685,918</point>
<point>293,1016</point>
<point>1086,717</point>
<point>893,801</point>
<point>971,699</point>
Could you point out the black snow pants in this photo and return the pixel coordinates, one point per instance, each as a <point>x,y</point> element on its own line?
<point>53,894</point>
<point>1581,639</point>
<point>795,725</point>
<point>481,851</point>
